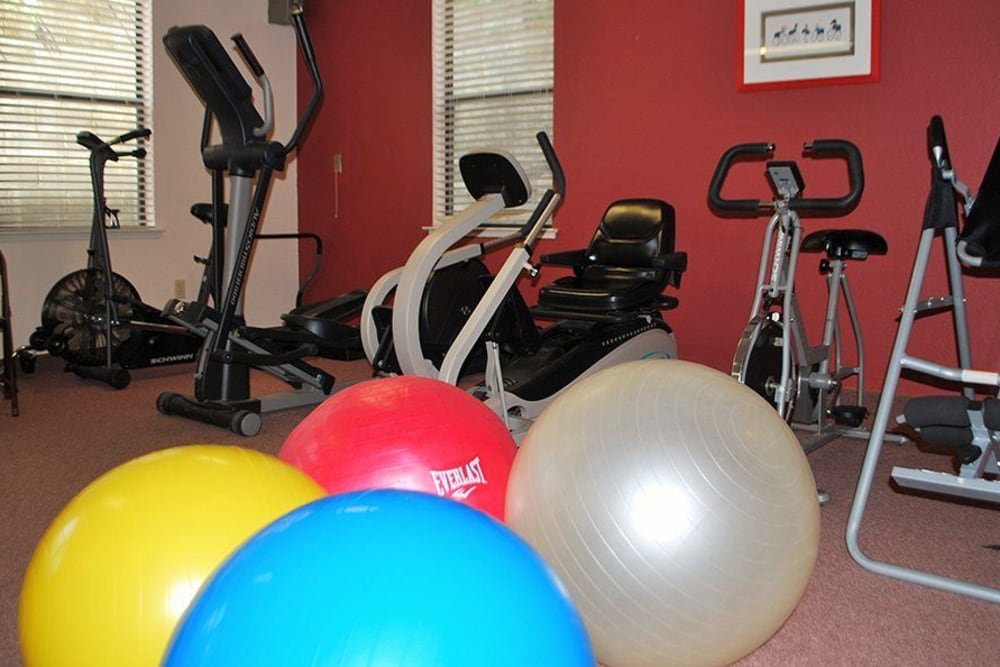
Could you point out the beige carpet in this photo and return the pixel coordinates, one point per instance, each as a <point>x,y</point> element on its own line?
<point>71,431</point>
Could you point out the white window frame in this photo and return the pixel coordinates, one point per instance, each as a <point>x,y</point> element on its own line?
<point>507,77</point>
<point>68,66</point>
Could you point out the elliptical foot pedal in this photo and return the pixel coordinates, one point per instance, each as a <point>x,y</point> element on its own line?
<point>849,415</point>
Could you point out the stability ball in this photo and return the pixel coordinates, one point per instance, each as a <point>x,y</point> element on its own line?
<point>409,433</point>
<point>677,507</point>
<point>382,577</point>
<point>115,571</point>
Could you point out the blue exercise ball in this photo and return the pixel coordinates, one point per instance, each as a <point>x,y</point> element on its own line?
<point>383,577</point>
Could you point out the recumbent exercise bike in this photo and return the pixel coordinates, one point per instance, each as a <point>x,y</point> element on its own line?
<point>607,312</point>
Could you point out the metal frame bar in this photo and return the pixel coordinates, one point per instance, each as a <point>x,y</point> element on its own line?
<point>898,361</point>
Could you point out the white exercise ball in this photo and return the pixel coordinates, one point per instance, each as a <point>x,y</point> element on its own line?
<point>675,505</point>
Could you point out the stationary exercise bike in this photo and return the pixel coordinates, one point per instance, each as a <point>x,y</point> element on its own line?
<point>774,357</point>
<point>248,159</point>
<point>93,318</point>
<point>606,313</point>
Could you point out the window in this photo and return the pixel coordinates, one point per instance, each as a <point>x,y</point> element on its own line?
<point>493,89</point>
<point>68,66</point>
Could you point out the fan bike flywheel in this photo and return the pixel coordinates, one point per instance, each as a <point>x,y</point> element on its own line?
<point>75,316</point>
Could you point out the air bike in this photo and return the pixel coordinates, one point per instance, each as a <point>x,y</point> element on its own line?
<point>93,317</point>
<point>451,318</point>
<point>248,159</point>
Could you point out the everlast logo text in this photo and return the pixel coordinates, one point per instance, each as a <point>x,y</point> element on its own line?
<point>459,482</point>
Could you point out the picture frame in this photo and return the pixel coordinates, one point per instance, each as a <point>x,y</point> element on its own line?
<point>799,43</point>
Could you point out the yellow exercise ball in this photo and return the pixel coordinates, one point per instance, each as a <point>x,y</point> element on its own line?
<point>115,571</point>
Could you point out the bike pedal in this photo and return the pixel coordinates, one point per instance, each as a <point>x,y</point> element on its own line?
<point>849,415</point>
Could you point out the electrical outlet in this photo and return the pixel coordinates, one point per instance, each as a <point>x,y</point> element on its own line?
<point>338,163</point>
<point>180,288</point>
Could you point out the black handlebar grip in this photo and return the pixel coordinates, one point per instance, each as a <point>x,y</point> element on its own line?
<point>558,178</point>
<point>137,133</point>
<point>722,171</point>
<point>936,140</point>
<point>855,175</point>
<point>248,55</point>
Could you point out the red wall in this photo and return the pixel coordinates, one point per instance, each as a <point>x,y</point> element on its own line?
<point>375,61</point>
<point>645,103</point>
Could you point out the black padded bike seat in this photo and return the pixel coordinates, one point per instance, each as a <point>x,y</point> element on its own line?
<point>615,289</point>
<point>845,243</point>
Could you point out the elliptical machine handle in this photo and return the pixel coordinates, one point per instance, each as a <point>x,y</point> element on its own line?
<point>820,148</point>
<point>258,71</point>
<point>715,198</point>
<point>248,55</point>
<point>306,48</point>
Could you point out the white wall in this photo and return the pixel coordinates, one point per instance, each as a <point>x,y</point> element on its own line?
<point>153,262</point>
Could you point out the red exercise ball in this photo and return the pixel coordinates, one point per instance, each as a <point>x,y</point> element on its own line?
<point>408,433</point>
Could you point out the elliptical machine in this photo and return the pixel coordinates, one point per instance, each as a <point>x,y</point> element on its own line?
<point>607,312</point>
<point>100,326</point>
<point>248,159</point>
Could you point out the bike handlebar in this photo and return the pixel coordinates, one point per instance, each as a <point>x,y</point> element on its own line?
<point>722,171</point>
<point>818,148</point>
<point>558,187</point>
<point>99,147</point>
<point>139,132</point>
<point>558,178</point>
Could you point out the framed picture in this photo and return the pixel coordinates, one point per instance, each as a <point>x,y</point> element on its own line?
<point>789,43</point>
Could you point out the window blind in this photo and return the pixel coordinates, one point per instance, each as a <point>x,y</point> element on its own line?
<point>493,77</point>
<point>68,66</point>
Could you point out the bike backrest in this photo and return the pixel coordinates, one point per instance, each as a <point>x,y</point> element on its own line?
<point>632,233</point>
<point>495,172</point>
